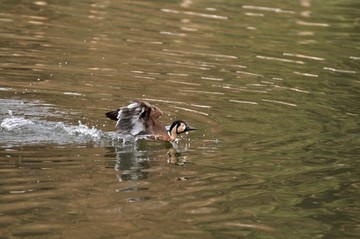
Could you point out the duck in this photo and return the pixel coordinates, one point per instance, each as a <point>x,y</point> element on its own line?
<point>140,118</point>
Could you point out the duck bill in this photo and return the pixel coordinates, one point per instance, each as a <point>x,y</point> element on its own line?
<point>189,128</point>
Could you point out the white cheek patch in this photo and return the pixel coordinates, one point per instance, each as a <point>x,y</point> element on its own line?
<point>181,128</point>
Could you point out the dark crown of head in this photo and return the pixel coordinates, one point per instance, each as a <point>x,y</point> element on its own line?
<point>176,123</point>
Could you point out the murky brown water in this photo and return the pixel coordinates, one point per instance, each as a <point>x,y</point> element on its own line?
<point>273,88</point>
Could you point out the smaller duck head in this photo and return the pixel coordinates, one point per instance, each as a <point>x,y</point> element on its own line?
<point>178,127</point>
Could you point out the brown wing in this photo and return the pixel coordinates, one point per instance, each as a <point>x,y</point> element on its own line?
<point>151,114</point>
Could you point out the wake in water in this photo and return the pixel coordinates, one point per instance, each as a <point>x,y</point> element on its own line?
<point>17,131</point>
<point>21,131</point>
<point>34,129</point>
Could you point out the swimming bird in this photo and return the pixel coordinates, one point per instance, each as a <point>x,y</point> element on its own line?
<point>142,118</point>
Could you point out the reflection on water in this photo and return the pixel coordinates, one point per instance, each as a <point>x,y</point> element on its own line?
<point>136,161</point>
<point>273,89</point>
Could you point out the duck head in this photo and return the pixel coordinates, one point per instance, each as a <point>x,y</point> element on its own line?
<point>178,127</point>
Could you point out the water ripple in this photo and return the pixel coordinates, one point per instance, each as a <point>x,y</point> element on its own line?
<point>279,59</point>
<point>204,92</point>
<point>312,24</point>
<point>279,102</point>
<point>244,102</point>
<point>304,56</point>
<point>190,110</point>
<point>202,54</point>
<point>339,70</point>
<point>270,9</point>
<point>198,14</point>
<point>305,74</point>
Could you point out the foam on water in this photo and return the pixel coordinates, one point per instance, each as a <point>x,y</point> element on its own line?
<point>13,123</point>
<point>21,131</point>
<point>81,130</point>
<point>25,122</point>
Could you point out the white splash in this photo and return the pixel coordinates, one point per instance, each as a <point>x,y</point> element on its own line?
<point>14,122</point>
<point>81,130</point>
